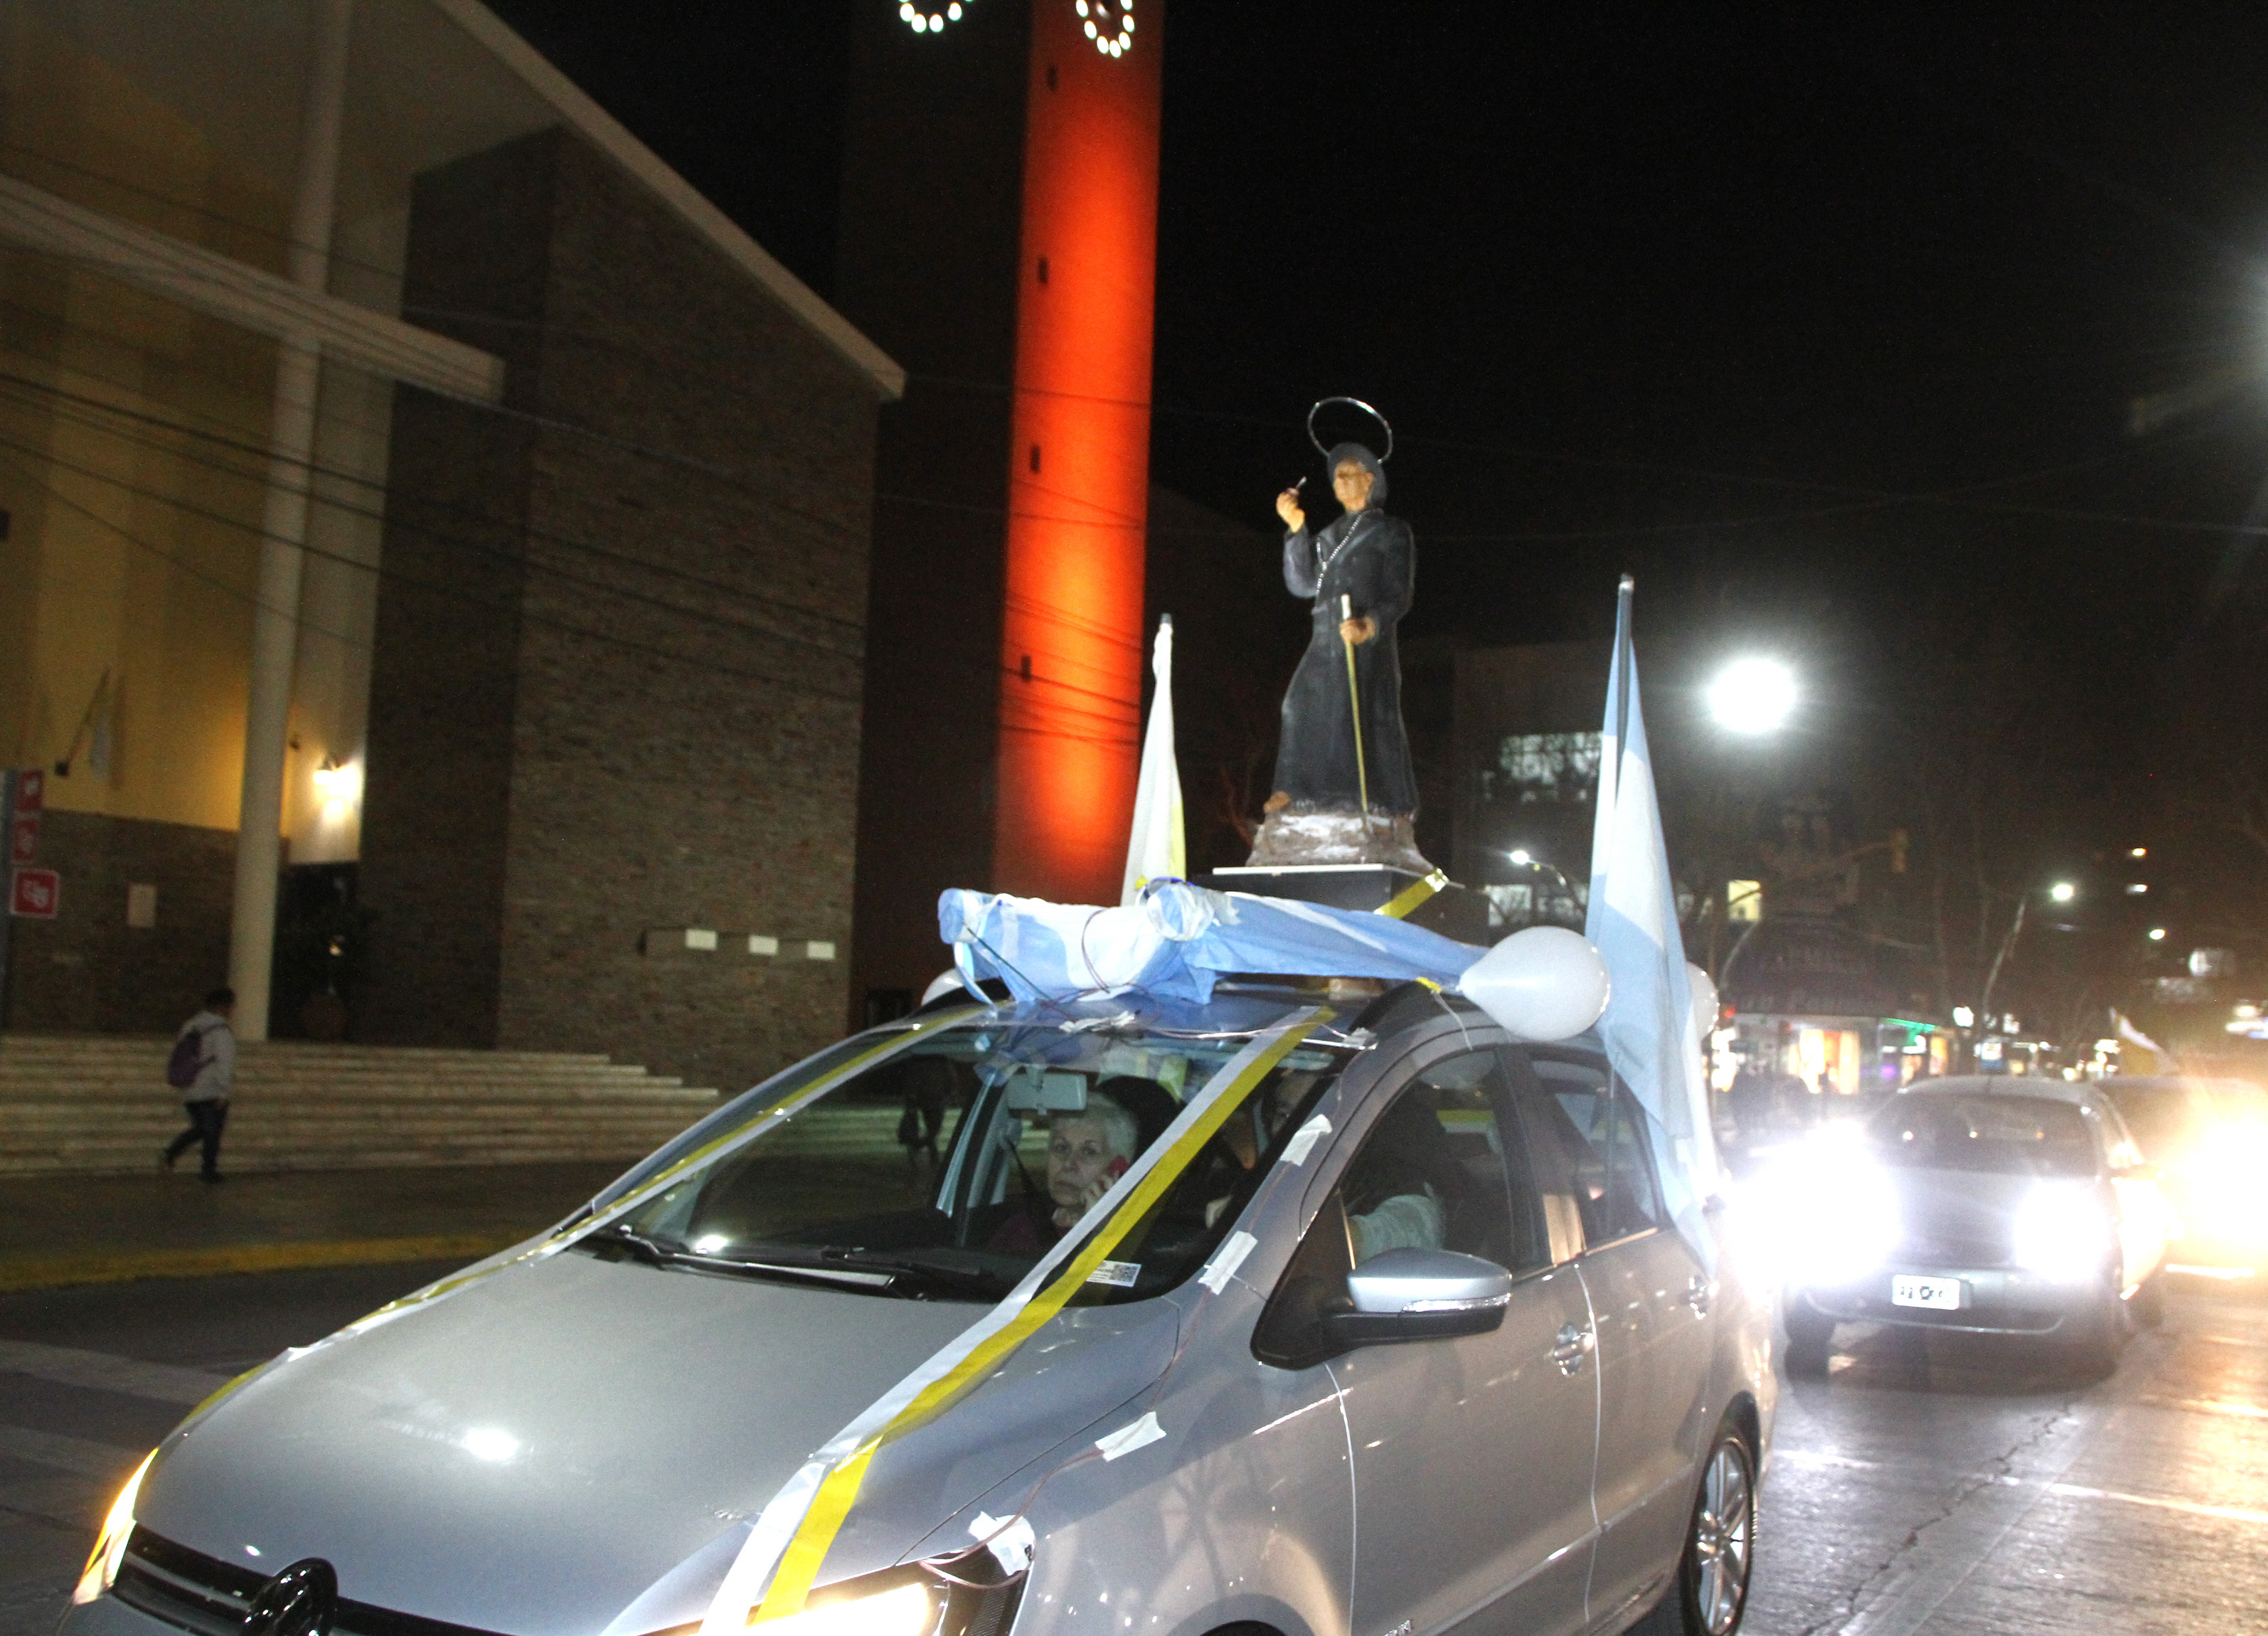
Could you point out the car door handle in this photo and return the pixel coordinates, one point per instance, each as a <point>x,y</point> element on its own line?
<point>1570,1347</point>
<point>1697,1291</point>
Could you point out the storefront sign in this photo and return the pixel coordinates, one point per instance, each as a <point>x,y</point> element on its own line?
<point>23,838</point>
<point>31,789</point>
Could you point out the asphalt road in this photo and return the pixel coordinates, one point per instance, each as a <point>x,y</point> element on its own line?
<point>1946,1487</point>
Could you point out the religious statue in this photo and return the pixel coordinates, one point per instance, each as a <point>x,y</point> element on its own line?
<point>1345,791</point>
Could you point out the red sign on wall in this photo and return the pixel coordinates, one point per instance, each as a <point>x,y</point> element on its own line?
<point>23,838</point>
<point>35,894</point>
<point>31,789</point>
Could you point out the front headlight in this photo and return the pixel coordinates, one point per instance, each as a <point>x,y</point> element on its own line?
<point>2062,1232</point>
<point>1840,1221</point>
<point>110,1544</point>
<point>908,1610</point>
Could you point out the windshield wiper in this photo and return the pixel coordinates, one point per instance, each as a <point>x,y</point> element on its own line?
<point>654,1253</point>
<point>941,1274</point>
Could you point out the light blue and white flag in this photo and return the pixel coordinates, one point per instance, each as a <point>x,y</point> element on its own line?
<point>1155,849</point>
<point>1651,1035</point>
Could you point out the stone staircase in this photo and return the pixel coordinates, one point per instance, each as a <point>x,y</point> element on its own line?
<point>96,1105</point>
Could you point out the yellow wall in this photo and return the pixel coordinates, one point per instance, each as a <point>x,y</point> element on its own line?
<point>133,547</point>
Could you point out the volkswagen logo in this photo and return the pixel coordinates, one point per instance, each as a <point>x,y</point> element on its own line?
<point>300,1601</point>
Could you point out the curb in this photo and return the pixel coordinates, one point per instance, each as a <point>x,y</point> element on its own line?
<point>63,1271</point>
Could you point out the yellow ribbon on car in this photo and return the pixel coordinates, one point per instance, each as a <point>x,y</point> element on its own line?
<point>1411,897</point>
<point>811,1510</point>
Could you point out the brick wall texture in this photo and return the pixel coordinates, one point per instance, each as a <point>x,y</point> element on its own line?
<point>619,640</point>
<point>86,971</point>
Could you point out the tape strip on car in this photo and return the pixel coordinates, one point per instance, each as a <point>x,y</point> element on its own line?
<point>780,1558</point>
<point>1405,901</point>
<point>715,1148</point>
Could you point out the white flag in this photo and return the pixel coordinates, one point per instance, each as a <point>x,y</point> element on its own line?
<point>1156,850</point>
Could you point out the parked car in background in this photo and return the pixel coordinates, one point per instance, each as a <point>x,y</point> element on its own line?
<point>1418,1271</point>
<point>2208,1139</point>
<point>1989,1203</point>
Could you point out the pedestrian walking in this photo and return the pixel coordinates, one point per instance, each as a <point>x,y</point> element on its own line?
<point>202,1068</point>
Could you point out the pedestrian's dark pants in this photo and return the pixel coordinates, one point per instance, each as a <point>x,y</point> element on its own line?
<point>206,1119</point>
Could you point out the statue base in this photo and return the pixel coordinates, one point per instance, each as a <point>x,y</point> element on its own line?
<point>1454,912</point>
<point>1293,840</point>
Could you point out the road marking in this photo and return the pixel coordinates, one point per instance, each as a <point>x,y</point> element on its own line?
<point>79,1454</point>
<point>2200,1405</point>
<point>162,1383</point>
<point>2230,1513</point>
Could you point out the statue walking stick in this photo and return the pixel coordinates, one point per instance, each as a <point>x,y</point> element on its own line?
<point>1354,703</point>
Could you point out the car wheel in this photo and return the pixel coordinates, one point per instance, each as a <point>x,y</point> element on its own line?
<point>1712,1576</point>
<point>1809,1335</point>
<point>2095,1349</point>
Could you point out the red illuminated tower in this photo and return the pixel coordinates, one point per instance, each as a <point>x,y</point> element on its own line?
<point>998,240</point>
<point>1071,636</point>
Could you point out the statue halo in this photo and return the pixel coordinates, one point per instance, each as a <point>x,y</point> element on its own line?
<point>1324,450</point>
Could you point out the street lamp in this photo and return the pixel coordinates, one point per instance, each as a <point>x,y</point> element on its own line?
<point>2063,891</point>
<point>1752,696</point>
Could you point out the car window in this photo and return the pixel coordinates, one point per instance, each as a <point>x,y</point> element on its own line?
<point>947,1171</point>
<point>1586,1116</point>
<point>1992,1135</point>
<point>1441,1169</point>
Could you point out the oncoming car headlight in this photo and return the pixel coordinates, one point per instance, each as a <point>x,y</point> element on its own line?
<point>110,1544</point>
<point>2062,1232</point>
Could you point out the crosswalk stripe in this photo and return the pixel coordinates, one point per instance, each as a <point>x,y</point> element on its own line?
<point>79,1455</point>
<point>162,1383</point>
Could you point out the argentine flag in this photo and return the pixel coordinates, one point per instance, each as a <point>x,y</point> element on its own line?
<point>1155,849</point>
<point>1631,919</point>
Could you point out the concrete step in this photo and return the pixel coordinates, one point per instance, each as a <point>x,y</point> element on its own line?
<point>101,1105</point>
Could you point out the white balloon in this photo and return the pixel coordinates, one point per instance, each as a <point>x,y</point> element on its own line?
<point>1706,1005</point>
<point>1543,983</point>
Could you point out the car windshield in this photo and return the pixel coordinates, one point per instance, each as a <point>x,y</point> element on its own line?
<point>1995,1135</point>
<point>947,1170</point>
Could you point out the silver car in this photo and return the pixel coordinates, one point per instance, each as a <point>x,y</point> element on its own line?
<point>1987,1204</point>
<point>1061,1318</point>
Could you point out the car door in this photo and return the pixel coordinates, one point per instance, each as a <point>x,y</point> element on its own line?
<point>1472,1457</point>
<point>1650,1298</point>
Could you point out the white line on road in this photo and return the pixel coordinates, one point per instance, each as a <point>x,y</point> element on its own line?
<point>162,1383</point>
<point>2233,1514</point>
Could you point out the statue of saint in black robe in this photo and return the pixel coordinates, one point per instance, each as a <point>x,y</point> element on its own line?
<point>1316,814</point>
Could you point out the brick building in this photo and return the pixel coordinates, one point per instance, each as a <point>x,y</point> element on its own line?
<point>394,446</point>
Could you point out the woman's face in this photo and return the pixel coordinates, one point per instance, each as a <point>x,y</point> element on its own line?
<point>1080,1154</point>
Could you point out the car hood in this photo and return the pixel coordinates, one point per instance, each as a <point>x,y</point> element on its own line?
<point>574,1445</point>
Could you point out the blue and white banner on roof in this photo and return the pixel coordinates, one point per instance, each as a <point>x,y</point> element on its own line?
<point>1650,1034</point>
<point>1178,940</point>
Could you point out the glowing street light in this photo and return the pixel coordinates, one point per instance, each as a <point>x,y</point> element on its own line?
<point>2157,934</point>
<point>1752,696</point>
<point>2063,891</point>
<point>1519,855</point>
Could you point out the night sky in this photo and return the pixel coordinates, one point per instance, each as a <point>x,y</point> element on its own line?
<point>1826,326</point>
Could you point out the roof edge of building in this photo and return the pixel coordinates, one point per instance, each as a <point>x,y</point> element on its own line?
<point>608,135</point>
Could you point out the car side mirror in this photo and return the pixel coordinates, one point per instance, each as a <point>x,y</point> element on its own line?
<point>1421,1294</point>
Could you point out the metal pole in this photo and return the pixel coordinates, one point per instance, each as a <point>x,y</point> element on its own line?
<point>284,531</point>
<point>1354,701</point>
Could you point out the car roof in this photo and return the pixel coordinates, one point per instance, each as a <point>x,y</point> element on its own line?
<point>2038,1087</point>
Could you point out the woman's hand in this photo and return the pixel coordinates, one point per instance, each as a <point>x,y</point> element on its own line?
<point>1287,507</point>
<point>1357,630</point>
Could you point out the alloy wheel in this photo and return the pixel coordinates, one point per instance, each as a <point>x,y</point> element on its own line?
<point>1724,1535</point>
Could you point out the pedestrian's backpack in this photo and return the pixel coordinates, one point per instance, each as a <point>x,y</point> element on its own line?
<point>188,1060</point>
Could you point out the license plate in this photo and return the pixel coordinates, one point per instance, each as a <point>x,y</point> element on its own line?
<point>1941,1294</point>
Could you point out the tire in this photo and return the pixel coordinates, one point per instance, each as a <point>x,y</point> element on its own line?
<point>1809,1335</point>
<point>1720,1538</point>
<point>2095,1350</point>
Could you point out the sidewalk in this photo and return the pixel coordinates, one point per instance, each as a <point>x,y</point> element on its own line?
<point>65,1230</point>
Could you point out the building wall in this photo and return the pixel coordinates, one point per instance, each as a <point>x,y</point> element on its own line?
<point>616,684</point>
<point>88,971</point>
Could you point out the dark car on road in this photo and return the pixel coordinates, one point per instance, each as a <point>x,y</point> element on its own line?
<point>1985,1203</point>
